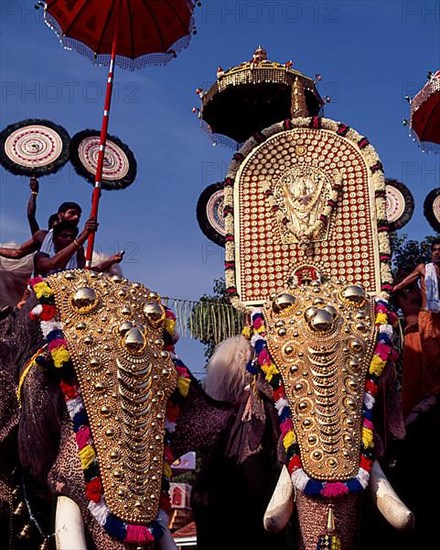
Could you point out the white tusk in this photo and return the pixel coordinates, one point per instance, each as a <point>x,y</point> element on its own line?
<point>69,526</point>
<point>389,504</point>
<point>280,507</point>
<point>166,541</point>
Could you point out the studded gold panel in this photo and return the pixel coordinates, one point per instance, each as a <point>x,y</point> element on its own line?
<point>298,167</point>
<point>321,338</point>
<point>114,328</point>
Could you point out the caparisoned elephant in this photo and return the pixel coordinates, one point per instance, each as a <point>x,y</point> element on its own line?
<point>91,392</point>
<point>94,402</point>
<point>240,466</point>
<point>327,352</point>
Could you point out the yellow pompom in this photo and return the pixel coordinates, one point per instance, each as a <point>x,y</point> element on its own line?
<point>269,371</point>
<point>367,437</point>
<point>183,385</point>
<point>381,318</point>
<point>60,356</point>
<point>87,456</point>
<point>167,470</point>
<point>170,328</point>
<point>43,290</point>
<point>377,365</point>
<point>289,439</point>
<point>247,332</point>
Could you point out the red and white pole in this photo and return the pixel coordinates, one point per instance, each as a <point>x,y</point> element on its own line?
<point>102,141</point>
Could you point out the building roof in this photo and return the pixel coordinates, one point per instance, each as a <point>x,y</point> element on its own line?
<point>187,532</point>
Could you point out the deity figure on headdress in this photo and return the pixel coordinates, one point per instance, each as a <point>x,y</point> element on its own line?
<point>302,194</point>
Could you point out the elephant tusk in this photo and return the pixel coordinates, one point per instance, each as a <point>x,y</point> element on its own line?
<point>389,504</point>
<point>280,506</point>
<point>69,527</point>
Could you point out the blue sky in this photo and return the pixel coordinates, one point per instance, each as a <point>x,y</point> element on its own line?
<point>370,54</point>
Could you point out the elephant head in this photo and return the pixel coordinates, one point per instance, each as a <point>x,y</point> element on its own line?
<point>325,349</point>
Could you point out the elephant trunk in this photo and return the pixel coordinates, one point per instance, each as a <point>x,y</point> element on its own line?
<point>313,519</point>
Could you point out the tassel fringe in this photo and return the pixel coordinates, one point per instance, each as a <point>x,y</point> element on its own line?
<point>206,320</point>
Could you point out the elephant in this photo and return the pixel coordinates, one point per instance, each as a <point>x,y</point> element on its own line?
<point>240,465</point>
<point>326,351</point>
<point>37,423</point>
<point>39,447</point>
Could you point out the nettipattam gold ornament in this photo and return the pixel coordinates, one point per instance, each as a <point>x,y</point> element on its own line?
<point>114,334</point>
<point>322,346</point>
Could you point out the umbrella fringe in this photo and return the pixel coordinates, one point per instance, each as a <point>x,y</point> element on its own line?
<point>128,63</point>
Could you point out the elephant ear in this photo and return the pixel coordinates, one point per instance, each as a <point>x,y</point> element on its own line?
<point>41,401</point>
<point>248,427</point>
<point>254,423</point>
<point>389,423</point>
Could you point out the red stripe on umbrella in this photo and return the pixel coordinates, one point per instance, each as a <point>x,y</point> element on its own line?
<point>425,114</point>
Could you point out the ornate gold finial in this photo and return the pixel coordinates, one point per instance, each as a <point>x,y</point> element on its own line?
<point>299,106</point>
<point>155,313</point>
<point>330,519</point>
<point>355,295</point>
<point>283,301</point>
<point>259,55</point>
<point>321,321</point>
<point>85,299</point>
<point>125,327</point>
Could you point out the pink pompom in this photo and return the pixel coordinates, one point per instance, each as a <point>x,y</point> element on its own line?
<point>138,534</point>
<point>334,489</point>
<point>83,437</point>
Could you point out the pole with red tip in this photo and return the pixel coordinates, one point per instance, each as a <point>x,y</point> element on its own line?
<point>102,141</point>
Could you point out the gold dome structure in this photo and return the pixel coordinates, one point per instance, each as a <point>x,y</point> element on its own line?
<point>256,94</point>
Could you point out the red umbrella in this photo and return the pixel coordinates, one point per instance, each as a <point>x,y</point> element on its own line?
<point>425,114</point>
<point>127,33</point>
